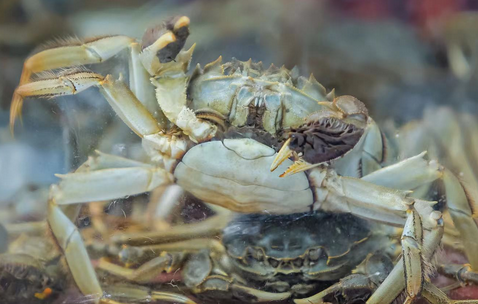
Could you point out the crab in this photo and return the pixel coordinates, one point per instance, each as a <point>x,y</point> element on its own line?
<point>224,132</point>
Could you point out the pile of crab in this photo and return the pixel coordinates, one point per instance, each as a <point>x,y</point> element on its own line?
<point>326,216</point>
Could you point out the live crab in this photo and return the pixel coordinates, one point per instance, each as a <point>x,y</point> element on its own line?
<point>223,132</point>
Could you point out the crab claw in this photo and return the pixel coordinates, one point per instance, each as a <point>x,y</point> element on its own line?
<point>284,153</point>
<point>181,22</point>
<point>298,166</point>
<point>325,136</point>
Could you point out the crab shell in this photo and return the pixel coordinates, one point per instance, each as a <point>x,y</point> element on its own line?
<point>235,173</point>
<point>243,92</point>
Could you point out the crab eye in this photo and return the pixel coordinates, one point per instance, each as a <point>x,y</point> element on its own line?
<point>358,116</point>
<point>277,244</point>
<point>295,244</point>
<point>350,105</point>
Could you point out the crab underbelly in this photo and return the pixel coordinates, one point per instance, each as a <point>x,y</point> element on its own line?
<point>235,173</point>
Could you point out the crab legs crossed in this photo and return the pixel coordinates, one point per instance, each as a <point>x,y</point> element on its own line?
<point>111,177</point>
<point>370,198</point>
<point>144,67</point>
<point>367,197</point>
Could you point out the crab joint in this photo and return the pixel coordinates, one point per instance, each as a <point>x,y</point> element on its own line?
<point>412,242</point>
<point>44,294</point>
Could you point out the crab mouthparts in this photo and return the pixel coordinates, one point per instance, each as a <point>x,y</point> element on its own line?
<point>285,153</point>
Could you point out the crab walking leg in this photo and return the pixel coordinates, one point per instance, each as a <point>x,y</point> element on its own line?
<point>462,273</point>
<point>107,184</point>
<point>416,171</point>
<point>211,227</point>
<point>159,258</point>
<point>70,241</point>
<point>365,277</point>
<point>140,84</point>
<point>395,282</point>
<point>355,283</point>
<point>407,174</point>
<point>122,100</point>
<point>162,205</point>
<point>91,52</point>
<point>372,154</point>
<point>29,228</point>
<point>434,295</point>
<point>133,113</point>
<point>259,296</point>
<point>462,215</point>
<point>108,161</point>
<point>98,162</point>
<point>353,195</point>
<point>171,96</point>
<point>92,186</point>
<point>138,294</point>
<point>411,264</point>
<point>412,254</point>
<point>223,283</point>
<point>146,273</point>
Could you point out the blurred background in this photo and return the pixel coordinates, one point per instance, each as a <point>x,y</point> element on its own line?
<point>397,56</point>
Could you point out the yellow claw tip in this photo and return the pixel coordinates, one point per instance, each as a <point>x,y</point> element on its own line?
<point>298,166</point>
<point>164,40</point>
<point>182,22</point>
<point>284,153</point>
<point>15,111</point>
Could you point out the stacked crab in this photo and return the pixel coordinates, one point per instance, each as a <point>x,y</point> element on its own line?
<point>223,133</point>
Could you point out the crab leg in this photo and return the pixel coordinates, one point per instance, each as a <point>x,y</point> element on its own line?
<point>407,174</point>
<point>107,184</point>
<point>227,285</point>
<point>412,254</point>
<point>121,99</point>
<point>108,161</point>
<point>346,194</point>
<point>91,52</point>
<point>372,155</point>
<point>462,215</point>
<point>366,277</point>
<point>435,296</point>
<point>101,49</point>
<point>85,186</point>
<point>171,95</point>
<point>71,243</point>
<point>416,171</point>
<point>140,84</point>
<point>146,273</point>
<point>212,226</point>
<point>169,260</point>
<point>463,273</point>
<point>366,200</point>
<point>459,206</point>
<point>138,294</point>
<point>396,282</point>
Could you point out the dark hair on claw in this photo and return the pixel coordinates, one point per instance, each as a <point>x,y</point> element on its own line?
<point>324,140</point>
